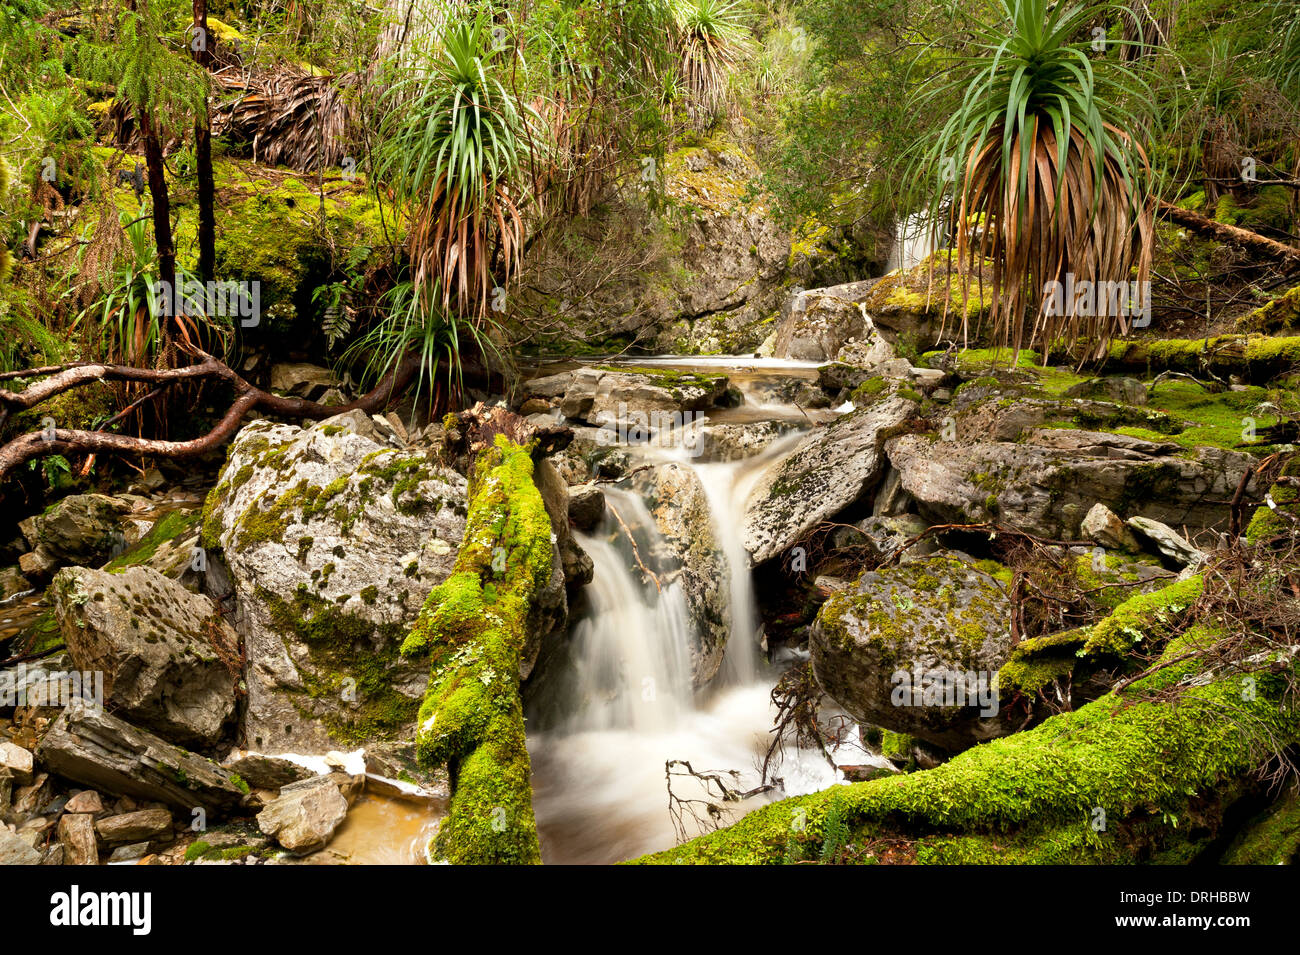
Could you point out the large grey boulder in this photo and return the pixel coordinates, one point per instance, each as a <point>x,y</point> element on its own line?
<point>817,324</point>
<point>170,662</point>
<point>991,460</point>
<point>87,745</point>
<point>916,649</point>
<point>333,542</point>
<point>826,472</point>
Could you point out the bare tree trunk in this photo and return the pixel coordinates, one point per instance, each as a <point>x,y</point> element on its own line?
<point>162,223</point>
<point>203,152</point>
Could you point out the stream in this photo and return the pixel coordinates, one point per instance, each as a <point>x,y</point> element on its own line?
<point>599,785</point>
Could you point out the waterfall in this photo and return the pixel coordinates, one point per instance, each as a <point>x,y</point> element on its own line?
<point>913,241</point>
<point>630,651</point>
<point>599,771</point>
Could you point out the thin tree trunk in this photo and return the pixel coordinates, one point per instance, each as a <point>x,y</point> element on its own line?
<point>203,154</point>
<point>162,223</point>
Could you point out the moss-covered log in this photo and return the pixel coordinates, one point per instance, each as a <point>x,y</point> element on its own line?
<point>1256,358</point>
<point>473,627</point>
<point>1130,777</point>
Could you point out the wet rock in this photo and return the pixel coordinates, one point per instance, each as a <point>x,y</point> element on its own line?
<point>916,649</point>
<point>129,853</point>
<point>817,324</point>
<point>91,747</point>
<point>305,815</point>
<point>714,441</point>
<point>681,511</point>
<point>333,541</point>
<point>1105,527</point>
<point>167,656</point>
<point>632,399</point>
<point>888,535</point>
<point>535,406</point>
<point>16,762</point>
<point>830,469</point>
<point>12,582</point>
<point>77,836</point>
<point>14,850</point>
<point>145,825</point>
<point>1168,541</point>
<point>265,772</point>
<point>586,506</point>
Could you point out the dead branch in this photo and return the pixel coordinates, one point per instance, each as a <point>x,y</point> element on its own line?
<point>248,398</point>
<point>1254,243</point>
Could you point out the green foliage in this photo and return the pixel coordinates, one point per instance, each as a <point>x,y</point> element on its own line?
<point>1038,143</point>
<point>711,37</point>
<point>456,147</point>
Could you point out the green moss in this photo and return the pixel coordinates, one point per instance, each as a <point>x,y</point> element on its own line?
<point>1037,796</point>
<point>1273,838</point>
<point>895,745</point>
<point>1135,619</point>
<point>169,527</point>
<point>345,651</point>
<point>473,627</point>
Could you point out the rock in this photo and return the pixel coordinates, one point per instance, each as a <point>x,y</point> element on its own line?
<point>1127,391</point>
<point>886,535</point>
<point>646,399</point>
<point>914,305</point>
<point>992,461</point>
<point>169,546</point>
<point>681,512</point>
<point>1105,527</point>
<point>88,746</point>
<point>333,542</point>
<point>301,379</point>
<point>129,853</point>
<point>549,616</point>
<point>817,324</point>
<point>535,406</point>
<point>15,762</point>
<point>891,500</point>
<point>265,772</point>
<point>82,529</point>
<point>886,648</point>
<point>1168,541</point>
<point>77,835</point>
<point>37,564</point>
<point>12,583</point>
<point>304,816</point>
<point>86,801</point>
<point>711,441</point>
<point>830,469</point>
<point>146,825</point>
<point>169,659</point>
<point>27,800</point>
<point>586,506</point>
<point>14,850</point>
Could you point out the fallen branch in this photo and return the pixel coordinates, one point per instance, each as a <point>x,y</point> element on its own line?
<point>248,398</point>
<point>1259,245</point>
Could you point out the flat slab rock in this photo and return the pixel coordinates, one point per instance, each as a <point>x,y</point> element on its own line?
<point>333,542</point>
<point>89,746</point>
<point>827,471</point>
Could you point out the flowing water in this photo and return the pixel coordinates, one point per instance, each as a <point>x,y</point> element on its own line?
<point>599,777</point>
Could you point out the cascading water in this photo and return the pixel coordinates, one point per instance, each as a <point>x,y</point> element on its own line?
<point>599,789</point>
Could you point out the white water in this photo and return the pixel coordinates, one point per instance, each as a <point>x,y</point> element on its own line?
<point>913,241</point>
<point>599,787</point>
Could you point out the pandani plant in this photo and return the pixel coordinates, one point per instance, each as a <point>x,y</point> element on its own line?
<point>1040,173</point>
<point>711,38</point>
